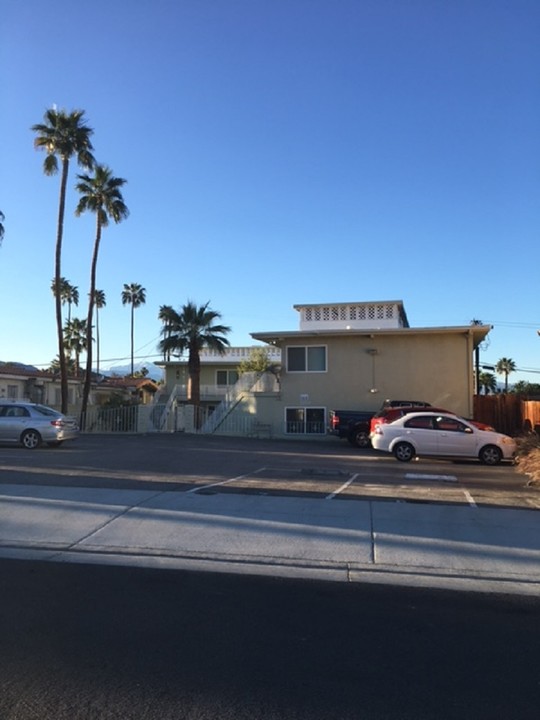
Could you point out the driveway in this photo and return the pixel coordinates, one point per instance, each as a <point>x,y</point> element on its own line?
<point>211,464</point>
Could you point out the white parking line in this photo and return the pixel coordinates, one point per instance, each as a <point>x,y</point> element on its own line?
<point>425,476</point>
<point>224,482</point>
<point>343,487</point>
<point>470,498</point>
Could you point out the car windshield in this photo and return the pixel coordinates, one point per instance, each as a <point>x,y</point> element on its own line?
<point>43,410</point>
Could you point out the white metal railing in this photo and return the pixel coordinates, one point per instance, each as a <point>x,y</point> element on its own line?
<point>245,382</point>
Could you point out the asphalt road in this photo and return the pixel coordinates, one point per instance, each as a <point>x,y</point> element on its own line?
<point>103,643</point>
<point>247,465</point>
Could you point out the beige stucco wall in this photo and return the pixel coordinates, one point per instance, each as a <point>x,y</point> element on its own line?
<point>436,368</point>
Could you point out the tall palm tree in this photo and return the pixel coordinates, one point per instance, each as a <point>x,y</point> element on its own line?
<point>101,195</point>
<point>505,366</point>
<point>193,329</point>
<point>71,296</point>
<point>68,293</point>
<point>135,295</point>
<point>62,136</point>
<point>75,340</point>
<point>99,302</point>
<point>166,315</point>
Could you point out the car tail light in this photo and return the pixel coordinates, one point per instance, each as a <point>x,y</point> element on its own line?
<point>57,423</point>
<point>335,421</point>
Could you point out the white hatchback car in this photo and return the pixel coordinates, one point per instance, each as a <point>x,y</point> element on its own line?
<point>431,433</point>
<point>31,424</point>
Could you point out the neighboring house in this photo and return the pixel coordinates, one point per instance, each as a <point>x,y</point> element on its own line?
<point>352,356</point>
<point>134,390</point>
<point>25,382</point>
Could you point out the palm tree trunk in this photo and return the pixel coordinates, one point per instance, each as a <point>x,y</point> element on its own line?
<point>132,333</point>
<point>91,299</point>
<point>194,384</point>
<point>57,276</point>
<point>97,340</point>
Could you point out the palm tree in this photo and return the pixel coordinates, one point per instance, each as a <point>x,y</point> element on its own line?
<point>505,366</point>
<point>68,293</point>
<point>99,302</point>
<point>101,195</point>
<point>54,367</point>
<point>487,382</point>
<point>75,340</point>
<point>193,329</point>
<point>134,295</point>
<point>62,136</point>
<point>71,296</point>
<point>166,315</point>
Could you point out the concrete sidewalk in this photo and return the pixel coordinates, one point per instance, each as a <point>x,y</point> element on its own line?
<point>458,547</point>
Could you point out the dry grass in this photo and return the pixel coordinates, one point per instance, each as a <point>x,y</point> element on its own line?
<point>528,457</point>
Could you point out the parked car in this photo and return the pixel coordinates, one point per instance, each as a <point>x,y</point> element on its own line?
<point>442,435</point>
<point>351,424</point>
<point>357,425</point>
<point>402,403</point>
<point>31,424</point>
<point>391,413</point>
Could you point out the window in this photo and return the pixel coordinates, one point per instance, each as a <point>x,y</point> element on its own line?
<point>12,392</point>
<point>306,359</point>
<point>224,378</point>
<point>450,425</point>
<point>424,422</point>
<point>15,411</point>
<point>305,421</point>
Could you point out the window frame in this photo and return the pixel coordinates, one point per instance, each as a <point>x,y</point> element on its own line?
<point>304,422</point>
<point>306,349</point>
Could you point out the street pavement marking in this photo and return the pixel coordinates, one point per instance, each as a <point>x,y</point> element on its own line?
<point>470,498</point>
<point>224,482</point>
<point>422,476</point>
<point>343,487</point>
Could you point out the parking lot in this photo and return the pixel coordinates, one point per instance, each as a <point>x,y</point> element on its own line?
<point>329,469</point>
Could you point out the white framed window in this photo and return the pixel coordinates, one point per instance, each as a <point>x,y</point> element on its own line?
<point>305,420</point>
<point>310,358</point>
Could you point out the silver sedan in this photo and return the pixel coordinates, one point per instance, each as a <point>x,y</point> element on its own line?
<point>30,425</point>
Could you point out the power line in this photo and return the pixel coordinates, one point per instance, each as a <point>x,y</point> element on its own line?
<point>503,323</point>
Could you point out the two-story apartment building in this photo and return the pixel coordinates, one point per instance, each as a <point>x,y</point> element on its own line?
<point>346,356</point>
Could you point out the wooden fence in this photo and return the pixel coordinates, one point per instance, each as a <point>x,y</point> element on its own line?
<point>508,413</point>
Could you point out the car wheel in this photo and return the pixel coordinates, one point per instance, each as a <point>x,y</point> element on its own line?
<point>404,452</point>
<point>31,439</point>
<point>360,439</point>
<point>490,455</point>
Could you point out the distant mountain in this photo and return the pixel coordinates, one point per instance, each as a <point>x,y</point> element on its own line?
<point>22,366</point>
<point>154,372</point>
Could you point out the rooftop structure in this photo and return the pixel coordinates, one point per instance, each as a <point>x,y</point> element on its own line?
<point>378,315</point>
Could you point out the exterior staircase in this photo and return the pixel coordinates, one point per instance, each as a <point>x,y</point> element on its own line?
<point>246,382</point>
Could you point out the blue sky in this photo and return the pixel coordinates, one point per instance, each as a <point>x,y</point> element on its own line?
<point>279,152</point>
